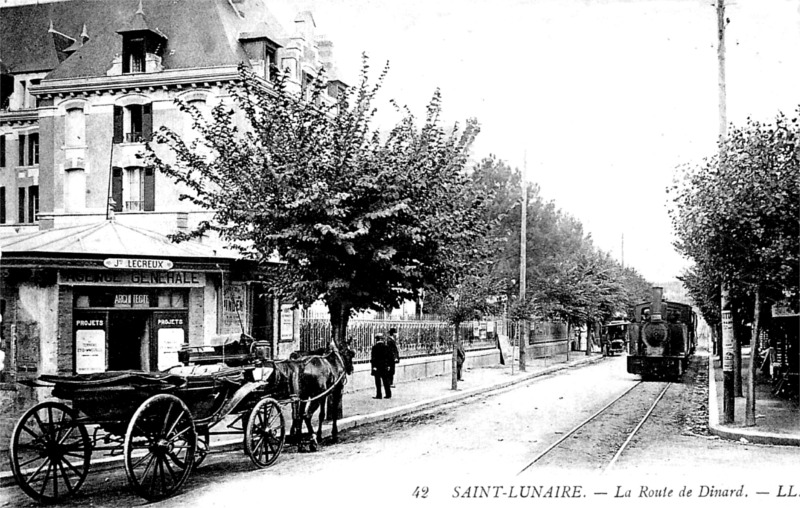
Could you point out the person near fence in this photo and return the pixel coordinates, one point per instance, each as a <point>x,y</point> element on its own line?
<point>391,341</point>
<point>382,362</point>
<point>461,355</point>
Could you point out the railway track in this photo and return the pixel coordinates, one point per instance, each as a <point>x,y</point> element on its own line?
<point>599,441</point>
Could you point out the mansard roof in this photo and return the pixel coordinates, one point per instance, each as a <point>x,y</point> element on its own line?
<point>201,33</point>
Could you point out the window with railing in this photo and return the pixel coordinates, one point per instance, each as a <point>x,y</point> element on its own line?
<point>33,203</point>
<point>133,189</point>
<point>133,123</point>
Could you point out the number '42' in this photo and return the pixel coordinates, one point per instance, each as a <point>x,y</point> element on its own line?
<point>420,492</point>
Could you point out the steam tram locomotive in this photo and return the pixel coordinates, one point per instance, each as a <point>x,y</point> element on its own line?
<point>661,338</point>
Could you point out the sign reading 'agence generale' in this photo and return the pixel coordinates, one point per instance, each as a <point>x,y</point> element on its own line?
<point>138,264</point>
<point>149,278</point>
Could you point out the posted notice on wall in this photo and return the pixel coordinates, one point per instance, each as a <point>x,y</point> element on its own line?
<point>90,351</point>
<point>287,323</point>
<point>727,341</point>
<point>170,341</point>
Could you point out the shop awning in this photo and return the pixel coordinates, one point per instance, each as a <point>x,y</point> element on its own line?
<point>107,238</point>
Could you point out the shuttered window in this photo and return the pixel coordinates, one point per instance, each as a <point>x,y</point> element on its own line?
<point>133,124</point>
<point>2,205</point>
<point>21,206</point>
<point>116,188</point>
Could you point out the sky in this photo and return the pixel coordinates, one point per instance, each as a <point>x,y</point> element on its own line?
<point>599,101</point>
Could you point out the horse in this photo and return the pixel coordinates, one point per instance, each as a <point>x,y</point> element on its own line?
<point>314,380</point>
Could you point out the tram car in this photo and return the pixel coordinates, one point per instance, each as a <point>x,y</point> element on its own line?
<point>661,338</point>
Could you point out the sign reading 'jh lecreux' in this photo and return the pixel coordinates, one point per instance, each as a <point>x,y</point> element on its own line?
<point>138,264</point>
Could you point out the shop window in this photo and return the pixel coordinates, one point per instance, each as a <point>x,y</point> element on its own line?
<point>33,203</point>
<point>172,299</point>
<point>133,55</point>
<point>75,127</point>
<point>133,123</point>
<point>133,189</point>
<point>2,205</point>
<point>2,151</point>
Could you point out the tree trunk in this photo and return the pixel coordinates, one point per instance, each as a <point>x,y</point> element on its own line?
<point>727,351</point>
<point>737,354</point>
<point>340,317</point>
<point>588,338</point>
<point>454,359</point>
<point>750,402</point>
<point>569,340</point>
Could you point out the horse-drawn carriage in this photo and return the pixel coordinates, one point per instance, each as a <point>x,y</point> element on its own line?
<point>160,422</point>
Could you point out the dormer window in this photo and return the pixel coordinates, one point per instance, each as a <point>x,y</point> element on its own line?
<point>142,45</point>
<point>134,55</point>
<point>261,51</point>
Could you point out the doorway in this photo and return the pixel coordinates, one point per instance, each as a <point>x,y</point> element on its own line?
<point>129,340</point>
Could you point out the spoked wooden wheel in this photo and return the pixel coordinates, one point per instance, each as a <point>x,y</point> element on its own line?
<point>265,433</point>
<point>203,446</point>
<point>50,452</point>
<point>160,447</point>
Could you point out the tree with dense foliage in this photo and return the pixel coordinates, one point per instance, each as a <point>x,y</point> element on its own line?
<point>737,215</point>
<point>567,277</point>
<point>362,220</point>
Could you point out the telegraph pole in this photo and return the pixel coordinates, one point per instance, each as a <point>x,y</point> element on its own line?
<point>523,263</point>
<point>728,342</point>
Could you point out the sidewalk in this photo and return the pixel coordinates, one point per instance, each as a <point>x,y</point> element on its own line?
<point>777,419</point>
<point>407,397</point>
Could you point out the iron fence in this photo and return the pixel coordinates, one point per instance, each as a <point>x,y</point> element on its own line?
<point>415,337</point>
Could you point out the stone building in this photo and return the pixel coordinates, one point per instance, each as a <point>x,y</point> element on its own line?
<point>90,280</point>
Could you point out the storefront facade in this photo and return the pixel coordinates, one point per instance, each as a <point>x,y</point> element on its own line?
<point>69,309</point>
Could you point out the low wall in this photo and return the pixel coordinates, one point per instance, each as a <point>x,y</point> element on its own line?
<point>410,369</point>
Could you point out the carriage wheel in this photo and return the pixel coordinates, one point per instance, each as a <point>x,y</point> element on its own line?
<point>50,452</point>
<point>160,447</point>
<point>203,445</point>
<point>265,433</point>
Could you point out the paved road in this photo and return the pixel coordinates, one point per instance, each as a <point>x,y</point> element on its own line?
<point>467,448</point>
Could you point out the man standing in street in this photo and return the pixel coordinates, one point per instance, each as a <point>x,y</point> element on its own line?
<point>392,343</point>
<point>381,361</point>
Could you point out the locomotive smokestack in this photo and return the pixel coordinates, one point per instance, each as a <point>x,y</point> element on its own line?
<point>655,304</point>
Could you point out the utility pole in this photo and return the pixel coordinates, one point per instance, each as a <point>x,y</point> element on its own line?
<point>523,264</point>
<point>728,341</point>
<point>622,249</point>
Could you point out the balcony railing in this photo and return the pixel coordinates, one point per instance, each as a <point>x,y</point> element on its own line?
<point>134,206</point>
<point>134,137</point>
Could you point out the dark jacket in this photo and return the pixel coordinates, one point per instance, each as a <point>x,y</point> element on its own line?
<point>381,359</point>
<point>393,348</point>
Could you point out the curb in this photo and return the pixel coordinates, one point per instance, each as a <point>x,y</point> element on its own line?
<point>734,433</point>
<point>108,463</point>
